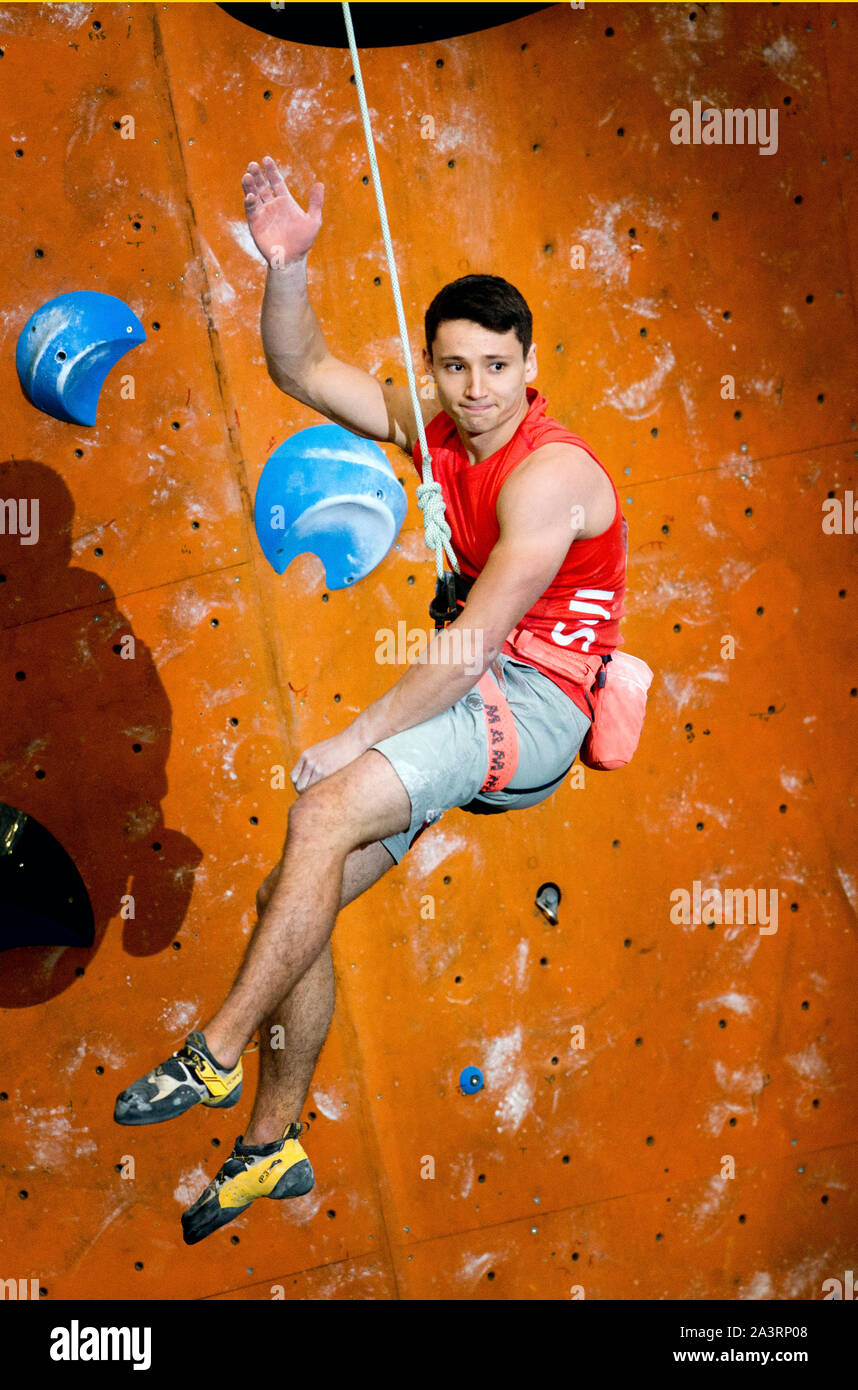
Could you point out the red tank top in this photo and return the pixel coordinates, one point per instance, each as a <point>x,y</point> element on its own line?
<point>581,608</point>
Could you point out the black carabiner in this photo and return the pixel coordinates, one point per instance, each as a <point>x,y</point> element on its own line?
<point>443,609</point>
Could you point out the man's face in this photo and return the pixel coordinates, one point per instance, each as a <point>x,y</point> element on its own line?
<point>480,375</point>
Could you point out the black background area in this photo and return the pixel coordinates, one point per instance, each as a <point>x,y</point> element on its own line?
<point>376,26</point>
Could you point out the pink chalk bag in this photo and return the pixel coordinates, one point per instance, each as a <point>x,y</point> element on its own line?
<point>615,688</point>
<point>619,708</point>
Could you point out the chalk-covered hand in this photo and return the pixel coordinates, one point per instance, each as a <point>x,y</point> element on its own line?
<point>322,759</point>
<point>282,232</point>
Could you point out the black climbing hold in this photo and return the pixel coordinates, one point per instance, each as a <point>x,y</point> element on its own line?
<point>43,899</point>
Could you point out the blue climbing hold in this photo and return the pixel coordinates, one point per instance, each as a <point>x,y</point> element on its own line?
<point>66,349</point>
<point>329,492</point>
<point>471,1081</point>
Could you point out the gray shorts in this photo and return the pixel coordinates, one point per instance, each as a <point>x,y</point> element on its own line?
<point>443,762</point>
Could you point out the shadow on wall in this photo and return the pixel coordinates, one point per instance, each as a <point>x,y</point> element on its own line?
<point>84,737</point>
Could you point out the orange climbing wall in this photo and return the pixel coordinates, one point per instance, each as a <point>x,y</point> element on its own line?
<point>597,1166</point>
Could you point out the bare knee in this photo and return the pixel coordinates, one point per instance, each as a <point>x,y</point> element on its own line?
<point>319,815</point>
<point>302,817</point>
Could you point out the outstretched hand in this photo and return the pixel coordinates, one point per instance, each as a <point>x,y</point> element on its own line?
<point>282,232</point>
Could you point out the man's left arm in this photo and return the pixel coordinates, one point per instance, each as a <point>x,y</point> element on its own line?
<point>540,511</point>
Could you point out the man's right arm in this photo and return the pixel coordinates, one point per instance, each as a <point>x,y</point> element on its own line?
<point>300,364</point>
<point>295,350</point>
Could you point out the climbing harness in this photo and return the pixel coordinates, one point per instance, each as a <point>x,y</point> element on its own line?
<point>617,705</point>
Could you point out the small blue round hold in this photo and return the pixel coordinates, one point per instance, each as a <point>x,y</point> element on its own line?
<point>471,1081</point>
<point>68,346</point>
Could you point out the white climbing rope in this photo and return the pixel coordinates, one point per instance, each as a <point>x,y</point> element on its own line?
<point>430,499</point>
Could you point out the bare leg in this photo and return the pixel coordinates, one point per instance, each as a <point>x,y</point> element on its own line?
<point>363,802</point>
<point>304,1016</point>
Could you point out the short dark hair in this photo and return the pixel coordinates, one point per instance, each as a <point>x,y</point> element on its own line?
<point>487,300</point>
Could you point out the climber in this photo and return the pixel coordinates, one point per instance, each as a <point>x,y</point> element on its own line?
<point>537,525</point>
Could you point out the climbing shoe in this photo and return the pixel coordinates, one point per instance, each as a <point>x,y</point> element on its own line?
<point>190,1076</point>
<point>279,1169</point>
